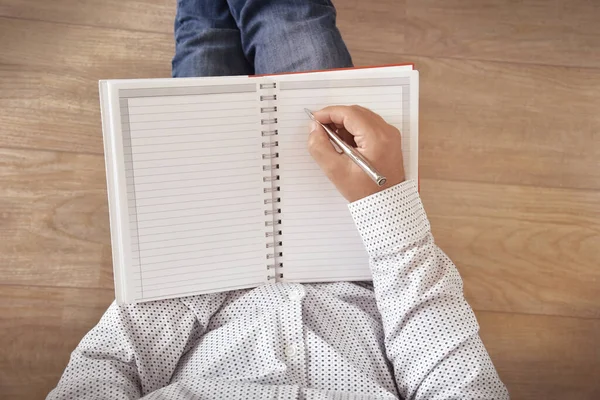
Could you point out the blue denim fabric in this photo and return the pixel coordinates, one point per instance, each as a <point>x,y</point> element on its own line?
<point>245,37</point>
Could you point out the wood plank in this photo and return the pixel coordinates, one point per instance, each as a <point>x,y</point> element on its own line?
<point>523,125</point>
<point>520,249</point>
<point>55,228</point>
<point>139,15</point>
<point>506,123</point>
<point>39,328</point>
<point>86,51</point>
<point>497,104</point>
<point>540,357</point>
<point>361,22</point>
<point>374,26</point>
<point>41,109</point>
<point>49,80</point>
<point>528,31</point>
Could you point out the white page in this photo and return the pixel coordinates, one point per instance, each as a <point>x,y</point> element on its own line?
<point>320,239</point>
<point>194,188</point>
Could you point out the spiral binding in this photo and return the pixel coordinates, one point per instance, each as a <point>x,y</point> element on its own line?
<point>270,178</point>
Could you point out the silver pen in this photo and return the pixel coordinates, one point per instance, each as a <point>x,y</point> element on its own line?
<point>351,152</point>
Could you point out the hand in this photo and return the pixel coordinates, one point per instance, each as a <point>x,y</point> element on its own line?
<point>379,142</point>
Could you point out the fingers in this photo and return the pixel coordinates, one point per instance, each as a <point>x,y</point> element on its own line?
<point>322,150</point>
<point>346,136</point>
<point>357,120</point>
<point>378,141</point>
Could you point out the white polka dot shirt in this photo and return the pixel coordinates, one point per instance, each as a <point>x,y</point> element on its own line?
<point>410,334</point>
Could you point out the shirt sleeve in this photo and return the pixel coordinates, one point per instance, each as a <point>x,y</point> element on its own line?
<point>431,333</point>
<point>134,349</point>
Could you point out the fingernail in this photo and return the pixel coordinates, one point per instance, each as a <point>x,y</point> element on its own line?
<point>313,126</point>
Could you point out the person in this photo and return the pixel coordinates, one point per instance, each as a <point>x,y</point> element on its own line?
<point>410,333</point>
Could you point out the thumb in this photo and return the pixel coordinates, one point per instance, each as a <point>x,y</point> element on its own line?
<point>322,150</point>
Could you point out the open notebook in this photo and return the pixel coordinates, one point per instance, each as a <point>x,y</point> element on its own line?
<point>211,186</point>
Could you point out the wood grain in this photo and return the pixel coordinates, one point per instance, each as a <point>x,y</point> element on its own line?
<point>509,156</point>
<point>514,124</point>
<point>538,357</point>
<point>374,26</point>
<point>54,218</point>
<point>41,109</point>
<point>520,249</point>
<point>506,123</point>
<point>137,15</point>
<point>553,32</point>
<point>49,80</point>
<point>86,51</point>
<point>39,328</point>
<point>520,124</point>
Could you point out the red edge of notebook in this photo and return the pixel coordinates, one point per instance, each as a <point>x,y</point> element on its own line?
<point>334,69</point>
<point>344,69</point>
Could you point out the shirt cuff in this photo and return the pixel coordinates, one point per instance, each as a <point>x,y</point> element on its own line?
<point>390,219</point>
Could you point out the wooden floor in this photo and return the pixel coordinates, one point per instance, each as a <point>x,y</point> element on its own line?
<point>510,167</point>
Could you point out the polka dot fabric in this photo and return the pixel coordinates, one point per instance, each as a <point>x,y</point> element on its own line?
<point>410,334</point>
<point>431,334</point>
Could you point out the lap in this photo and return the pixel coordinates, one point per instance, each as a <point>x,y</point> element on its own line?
<point>290,35</point>
<point>243,37</point>
<point>207,41</point>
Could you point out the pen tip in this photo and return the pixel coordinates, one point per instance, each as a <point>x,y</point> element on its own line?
<point>309,113</point>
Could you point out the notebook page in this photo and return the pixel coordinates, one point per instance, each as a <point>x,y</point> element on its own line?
<point>193,169</point>
<point>321,242</point>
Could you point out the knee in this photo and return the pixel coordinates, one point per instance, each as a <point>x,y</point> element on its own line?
<point>305,46</point>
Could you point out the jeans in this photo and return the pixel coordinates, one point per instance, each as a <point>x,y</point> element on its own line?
<point>246,37</point>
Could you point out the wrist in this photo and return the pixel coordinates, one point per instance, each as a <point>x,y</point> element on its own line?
<point>358,186</point>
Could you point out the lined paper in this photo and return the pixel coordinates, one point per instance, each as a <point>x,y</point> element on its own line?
<point>194,187</point>
<point>320,239</point>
